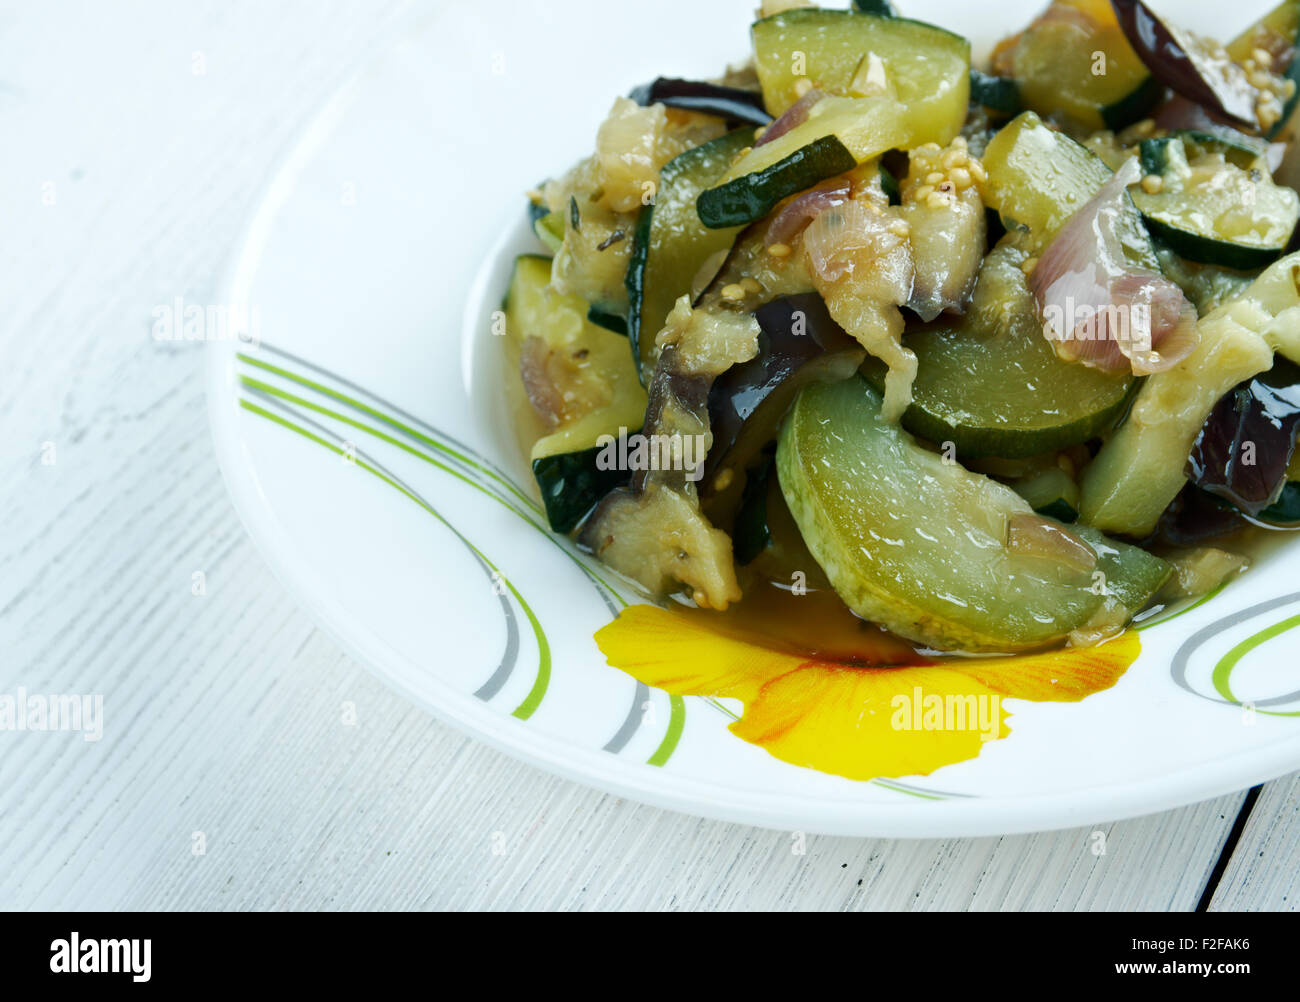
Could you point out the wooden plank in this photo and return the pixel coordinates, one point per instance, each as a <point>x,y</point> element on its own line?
<point>1264,872</point>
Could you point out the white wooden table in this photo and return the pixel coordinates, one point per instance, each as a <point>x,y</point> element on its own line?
<point>134,139</point>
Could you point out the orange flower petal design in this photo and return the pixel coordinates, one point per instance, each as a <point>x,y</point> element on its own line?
<point>860,723</point>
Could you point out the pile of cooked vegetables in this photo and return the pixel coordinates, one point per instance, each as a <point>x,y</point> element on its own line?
<point>1002,356</point>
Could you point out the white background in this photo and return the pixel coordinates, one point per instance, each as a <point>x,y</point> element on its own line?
<point>135,138</point>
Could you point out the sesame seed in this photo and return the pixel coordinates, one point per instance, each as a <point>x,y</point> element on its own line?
<point>749,285</point>
<point>960,176</point>
<point>924,192</point>
<point>779,250</point>
<point>934,177</point>
<point>1152,184</point>
<point>733,292</point>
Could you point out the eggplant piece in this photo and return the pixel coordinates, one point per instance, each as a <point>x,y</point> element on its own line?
<point>799,343</point>
<point>1193,518</point>
<point>1201,72</point>
<point>752,532</point>
<point>1245,447</point>
<point>653,530</point>
<point>731,103</point>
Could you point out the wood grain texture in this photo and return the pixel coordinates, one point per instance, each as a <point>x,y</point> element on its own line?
<point>1264,872</point>
<point>126,180</point>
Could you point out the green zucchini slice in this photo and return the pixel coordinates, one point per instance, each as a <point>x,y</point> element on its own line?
<point>991,384</point>
<point>997,94</point>
<point>671,245</point>
<point>1075,61</point>
<point>549,228</point>
<point>923,97</point>
<point>1277,33</point>
<point>1051,492</point>
<point>925,69</point>
<point>1210,209</point>
<point>564,456</point>
<point>921,545</point>
<point>751,196</point>
<point>1038,178</point>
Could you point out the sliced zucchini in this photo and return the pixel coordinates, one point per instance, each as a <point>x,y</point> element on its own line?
<point>927,548</point>
<point>1140,471</point>
<point>549,228</point>
<point>1206,286</point>
<point>1236,147</point>
<point>997,94</point>
<point>1038,178</point>
<point>610,321</point>
<point>596,370</point>
<point>1051,492</point>
<point>926,69</point>
<point>1276,33</point>
<point>924,98</point>
<point>572,483</point>
<point>752,189</point>
<point>1209,209</point>
<point>1075,61</point>
<point>992,384</point>
<point>670,245</point>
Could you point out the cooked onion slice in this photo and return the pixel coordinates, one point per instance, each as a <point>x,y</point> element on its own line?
<point>1100,309</point>
<point>790,221</point>
<point>792,117</point>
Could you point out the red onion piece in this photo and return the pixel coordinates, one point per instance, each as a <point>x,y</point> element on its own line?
<point>793,117</point>
<point>1100,310</point>
<point>790,221</point>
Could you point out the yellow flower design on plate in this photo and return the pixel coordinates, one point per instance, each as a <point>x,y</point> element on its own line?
<point>838,712</point>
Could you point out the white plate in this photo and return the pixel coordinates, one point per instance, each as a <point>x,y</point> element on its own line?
<point>376,259</point>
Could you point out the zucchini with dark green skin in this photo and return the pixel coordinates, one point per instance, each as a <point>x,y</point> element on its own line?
<point>671,245</point>
<point>1207,208</point>
<point>1276,33</point>
<point>1052,493</point>
<point>992,385</point>
<point>610,321</point>
<point>881,8</point>
<point>572,483</point>
<point>1074,62</point>
<point>919,94</point>
<point>753,196</point>
<point>969,575</point>
<point>1038,178</point>
<point>564,458</point>
<point>997,94</point>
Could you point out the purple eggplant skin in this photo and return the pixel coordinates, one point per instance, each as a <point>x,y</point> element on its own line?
<point>799,343</point>
<point>1242,453</point>
<point>1219,87</point>
<point>731,103</point>
<point>1195,518</point>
